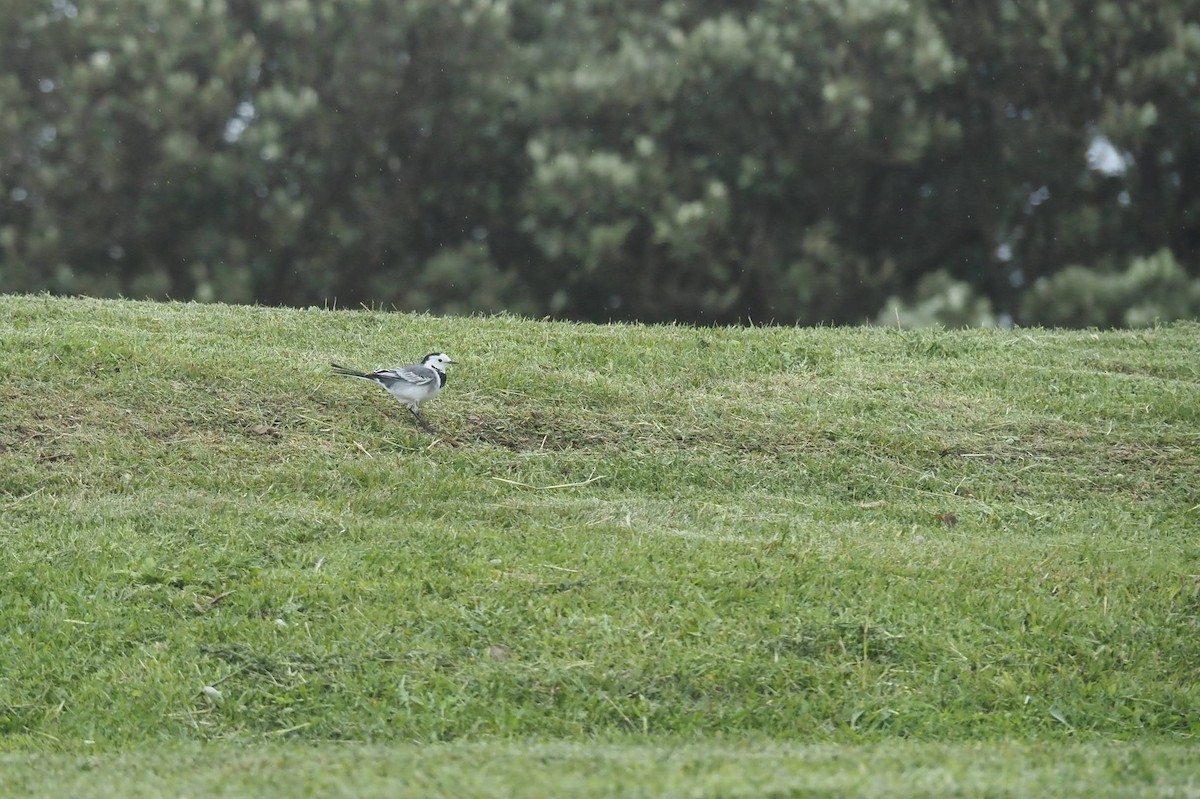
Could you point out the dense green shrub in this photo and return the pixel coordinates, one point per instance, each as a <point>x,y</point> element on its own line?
<point>939,301</point>
<point>1153,289</point>
<point>709,162</point>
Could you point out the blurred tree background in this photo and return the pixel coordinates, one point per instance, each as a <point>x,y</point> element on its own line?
<point>813,161</point>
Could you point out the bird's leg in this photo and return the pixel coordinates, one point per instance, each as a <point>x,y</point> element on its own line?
<point>422,422</point>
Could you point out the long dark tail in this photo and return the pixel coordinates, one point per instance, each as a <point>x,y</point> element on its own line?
<point>341,370</point>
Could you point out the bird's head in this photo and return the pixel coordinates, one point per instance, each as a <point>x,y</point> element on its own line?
<point>437,360</point>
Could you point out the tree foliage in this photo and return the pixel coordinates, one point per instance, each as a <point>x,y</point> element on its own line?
<point>594,159</point>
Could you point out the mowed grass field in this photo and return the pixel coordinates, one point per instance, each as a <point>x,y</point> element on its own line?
<point>656,561</point>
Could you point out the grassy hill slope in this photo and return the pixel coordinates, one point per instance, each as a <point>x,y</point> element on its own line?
<point>637,534</point>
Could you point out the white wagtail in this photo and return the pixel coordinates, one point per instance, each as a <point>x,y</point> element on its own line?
<point>412,384</point>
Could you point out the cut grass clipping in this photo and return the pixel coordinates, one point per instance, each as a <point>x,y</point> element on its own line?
<point>848,536</point>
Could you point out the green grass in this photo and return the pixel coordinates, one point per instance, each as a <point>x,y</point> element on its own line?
<point>711,769</point>
<point>669,556</point>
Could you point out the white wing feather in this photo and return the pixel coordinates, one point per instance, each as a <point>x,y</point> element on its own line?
<point>413,375</point>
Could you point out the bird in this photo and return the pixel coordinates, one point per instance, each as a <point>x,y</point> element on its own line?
<point>412,384</point>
